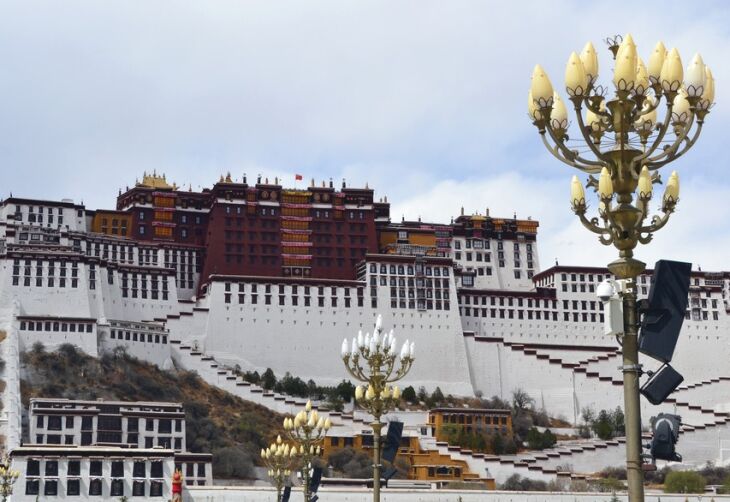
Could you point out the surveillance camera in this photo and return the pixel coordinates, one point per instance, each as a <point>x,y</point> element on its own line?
<point>605,291</point>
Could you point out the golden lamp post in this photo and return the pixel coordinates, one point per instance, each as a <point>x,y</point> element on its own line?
<point>622,140</point>
<point>374,361</point>
<point>307,429</point>
<point>279,459</point>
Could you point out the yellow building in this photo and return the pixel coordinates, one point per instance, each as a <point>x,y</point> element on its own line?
<point>423,465</point>
<point>445,421</point>
<point>110,222</point>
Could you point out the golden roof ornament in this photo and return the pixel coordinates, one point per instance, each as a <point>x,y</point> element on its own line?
<point>153,181</point>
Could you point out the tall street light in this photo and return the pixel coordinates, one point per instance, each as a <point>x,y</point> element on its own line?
<point>622,141</point>
<point>307,429</point>
<point>279,459</point>
<point>374,361</point>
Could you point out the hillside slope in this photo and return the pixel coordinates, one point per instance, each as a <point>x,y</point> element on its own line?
<point>217,422</point>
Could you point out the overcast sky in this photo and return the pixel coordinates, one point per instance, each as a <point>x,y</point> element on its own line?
<point>425,101</point>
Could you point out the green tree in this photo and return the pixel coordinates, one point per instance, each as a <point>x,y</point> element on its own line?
<point>603,425</point>
<point>480,443</point>
<point>619,425</point>
<point>268,379</point>
<point>537,440</point>
<point>498,444</point>
<point>345,391</point>
<point>534,439</point>
<point>684,482</point>
<point>437,397</point>
<point>409,394</point>
<point>588,416</point>
<point>725,488</point>
<point>548,439</point>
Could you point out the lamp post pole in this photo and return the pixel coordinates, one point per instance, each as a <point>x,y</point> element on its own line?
<point>373,361</point>
<point>621,140</point>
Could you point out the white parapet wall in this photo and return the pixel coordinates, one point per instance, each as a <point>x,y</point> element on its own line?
<point>11,416</point>
<point>255,494</point>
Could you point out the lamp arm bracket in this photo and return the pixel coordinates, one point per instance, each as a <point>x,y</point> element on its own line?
<point>657,223</point>
<point>589,106</point>
<point>654,164</point>
<point>594,226</point>
<point>586,137</point>
<point>670,151</point>
<point>657,141</point>
<point>554,150</point>
<point>572,157</point>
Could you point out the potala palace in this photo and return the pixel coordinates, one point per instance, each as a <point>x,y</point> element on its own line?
<point>261,276</point>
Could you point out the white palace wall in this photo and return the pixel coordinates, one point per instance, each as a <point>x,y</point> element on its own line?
<point>306,340</point>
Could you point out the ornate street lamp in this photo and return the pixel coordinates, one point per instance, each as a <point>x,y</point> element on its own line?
<point>622,141</point>
<point>279,458</point>
<point>373,360</point>
<point>307,429</point>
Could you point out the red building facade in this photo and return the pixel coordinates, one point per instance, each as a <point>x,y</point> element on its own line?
<point>261,229</point>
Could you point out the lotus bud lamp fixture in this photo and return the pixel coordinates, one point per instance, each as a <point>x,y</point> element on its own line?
<point>307,429</point>
<point>621,139</point>
<point>279,459</point>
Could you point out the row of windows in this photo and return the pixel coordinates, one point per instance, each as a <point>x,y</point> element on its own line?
<point>420,304</point>
<point>419,293</point>
<point>509,301</point>
<point>417,269</point>
<point>508,313</point>
<point>139,286</point>
<point>590,277</point>
<point>37,237</point>
<point>38,218</point>
<point>95,487</point>
<point>111,437</point>
<point>487,257</point>
<point>456,418</point>
<point>294,300</point>
<point>32,209</point>
<point>582,305</point>
<point>134,336</point>
<point>126,254</point>
<point>419,282</point>
<point>107,422</point>
<point>50,282</point>
<point>295,288</point>
<point>58,326</point>
<point>96,468</point>
<point>485,244</point>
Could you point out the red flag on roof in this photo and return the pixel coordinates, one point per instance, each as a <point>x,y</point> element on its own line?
<point>298,177</point>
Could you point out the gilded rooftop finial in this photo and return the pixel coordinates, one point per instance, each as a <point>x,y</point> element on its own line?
<point>153,181</point>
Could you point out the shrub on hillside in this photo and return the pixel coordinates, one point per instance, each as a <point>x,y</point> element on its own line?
<point>684,482</point>
<point>713,474</point>
<point>351,463</point>
<point>537,440</point>
<point>516,483</point>
<point>725,488</point>
<point>233,462</point>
